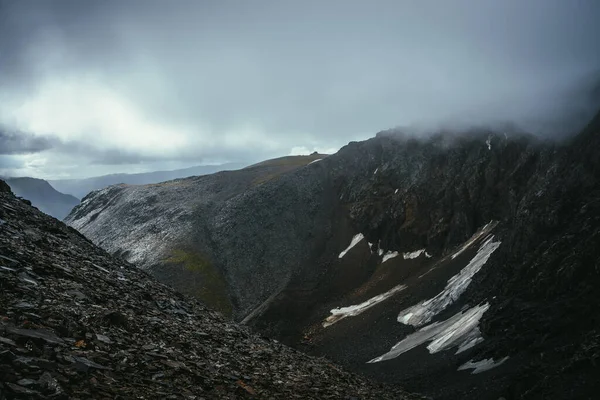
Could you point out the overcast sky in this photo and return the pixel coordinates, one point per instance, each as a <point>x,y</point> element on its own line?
<point>95,87</point>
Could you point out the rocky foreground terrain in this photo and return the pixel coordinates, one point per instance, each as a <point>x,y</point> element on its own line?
<point>76,323</point>
<point>460,265</point>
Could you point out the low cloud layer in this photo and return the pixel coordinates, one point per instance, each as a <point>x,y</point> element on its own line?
<point>124,86</point>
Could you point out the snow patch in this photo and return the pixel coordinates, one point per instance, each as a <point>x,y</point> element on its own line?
<point>376,169</point>
<point>489,142</point>
<point>314,161</point>
<point>423,312</point>
<point>481,232</point>
<point>355,240</point>
<point>352,311</point>
<point>389,255</point>
<point>413,254</point>
<point>458,330</point>
<point>396,192</point>
<point>481,366</point>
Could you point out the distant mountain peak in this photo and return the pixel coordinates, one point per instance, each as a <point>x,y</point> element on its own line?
<point>43,196</point>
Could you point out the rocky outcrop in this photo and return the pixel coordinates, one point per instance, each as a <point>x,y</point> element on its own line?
<point>377,255</point>
<point>78,323</point>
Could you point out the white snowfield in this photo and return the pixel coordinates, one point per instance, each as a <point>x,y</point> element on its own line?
<point>487,228</point>
<point>407,256</point>
<point>423,312</point>
<point>414,254</point>
<point>355,240</point>
<point>389,255</point>
<point>461,330</point>
<point>340,313</point>
<point>481,366</point>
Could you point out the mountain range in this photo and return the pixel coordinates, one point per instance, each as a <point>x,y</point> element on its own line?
<point>42,195</point>
<point>458,265</point>
<point>51,198</point>
<point>81,187</point>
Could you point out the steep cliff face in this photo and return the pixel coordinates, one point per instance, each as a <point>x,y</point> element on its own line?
<point>462,265</point>
<point>78,323</point>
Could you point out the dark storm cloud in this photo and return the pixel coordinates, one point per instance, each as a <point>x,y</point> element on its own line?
<point>230,79</point>
<point>23,143</point>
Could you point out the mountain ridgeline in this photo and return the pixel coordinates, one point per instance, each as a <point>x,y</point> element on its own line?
<point>461,266</point>
<point>81,187</point>
<point>43,196</point>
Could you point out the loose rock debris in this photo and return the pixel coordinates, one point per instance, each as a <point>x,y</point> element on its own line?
<point>76,323</point>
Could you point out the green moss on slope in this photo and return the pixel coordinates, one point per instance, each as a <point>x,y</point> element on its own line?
<point>208,284</point>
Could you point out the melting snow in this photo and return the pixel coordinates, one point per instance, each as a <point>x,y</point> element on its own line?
<point>351,311</point>
<point>423,312</point>
<point>486,229</point>
<point>414,254</point>
<point>357,238</point>
<point>396,191</point>
<point>481,366</point>
<point>458,330</point>
<point>314,161</point>
<point>389,255</point>
<point>376,169</point>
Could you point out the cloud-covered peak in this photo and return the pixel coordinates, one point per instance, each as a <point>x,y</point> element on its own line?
<point>145,82</point>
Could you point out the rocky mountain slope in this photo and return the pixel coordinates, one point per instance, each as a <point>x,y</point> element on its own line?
<point>43,196</point>
<point>462,266</point>
<point>76,323</point>
<point>163,227</point>
<point>81,187</point>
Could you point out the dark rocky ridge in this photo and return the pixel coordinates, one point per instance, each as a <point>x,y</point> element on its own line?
<point>78,323</point>
<point>277,246</point>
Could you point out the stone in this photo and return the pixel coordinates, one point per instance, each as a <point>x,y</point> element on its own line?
<point>20,390</point>
<point>103,339</point>
<point>43,334</point>
<point>82,364</point>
